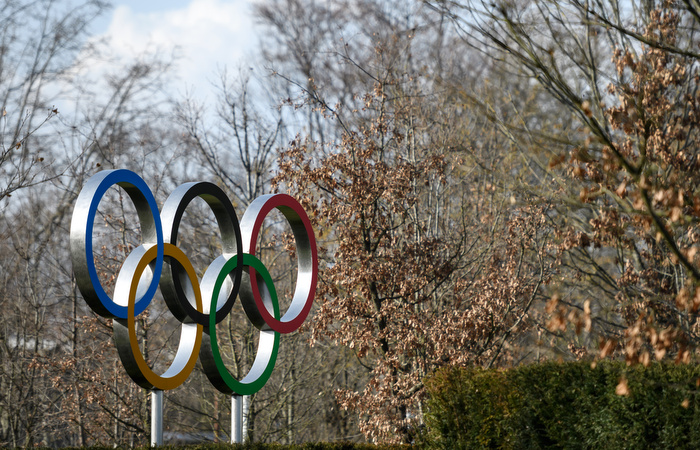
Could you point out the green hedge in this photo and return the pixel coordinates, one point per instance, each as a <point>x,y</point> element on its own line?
<point>260,446</point>
<point>564,405</point>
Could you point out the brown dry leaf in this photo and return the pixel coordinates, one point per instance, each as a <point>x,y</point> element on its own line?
<point>552,304</point>
<point>676,214</point>
<point>622,388</point>
<point>607,347</point>
<point>622,189</point>
<point>645,359</point>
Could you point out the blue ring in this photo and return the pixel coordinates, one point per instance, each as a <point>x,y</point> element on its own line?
<point>124,178</point>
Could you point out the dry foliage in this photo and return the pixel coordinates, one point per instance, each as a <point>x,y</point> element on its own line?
<point>639,174</point>
<point>415,274</point>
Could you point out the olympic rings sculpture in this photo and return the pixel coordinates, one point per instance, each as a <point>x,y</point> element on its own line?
<point>197,305</point>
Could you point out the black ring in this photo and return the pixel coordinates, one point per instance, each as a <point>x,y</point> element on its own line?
<point>172,281</point>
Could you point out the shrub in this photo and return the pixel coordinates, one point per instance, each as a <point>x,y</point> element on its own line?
<point>564,405</point>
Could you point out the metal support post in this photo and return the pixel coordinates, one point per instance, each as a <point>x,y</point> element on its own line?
<point>156,417</point>
<point>240,404</point>
<point>246,408</point>
<point>236,419</point>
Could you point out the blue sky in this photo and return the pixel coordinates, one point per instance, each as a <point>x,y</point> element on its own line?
<point>145,6</point>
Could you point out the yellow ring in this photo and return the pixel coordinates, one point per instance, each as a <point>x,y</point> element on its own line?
<point>190,334</point>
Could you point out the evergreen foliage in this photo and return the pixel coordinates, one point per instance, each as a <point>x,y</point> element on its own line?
<point>264,446</point>
<point>570,405</point>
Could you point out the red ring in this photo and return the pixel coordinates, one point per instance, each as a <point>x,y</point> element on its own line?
<point>307,258</point>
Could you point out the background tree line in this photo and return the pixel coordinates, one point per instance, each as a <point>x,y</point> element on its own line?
<point>491,183</point>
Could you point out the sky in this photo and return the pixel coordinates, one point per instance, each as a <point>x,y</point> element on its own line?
<point>206,35</point>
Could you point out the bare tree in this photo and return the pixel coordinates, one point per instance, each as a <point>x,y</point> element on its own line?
<point>237,146</point>
<point>40,41</point>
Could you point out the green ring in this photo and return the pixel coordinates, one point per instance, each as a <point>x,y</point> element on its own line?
<point>245,386</point>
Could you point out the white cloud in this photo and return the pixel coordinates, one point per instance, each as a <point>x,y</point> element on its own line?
<point>205,35</point>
